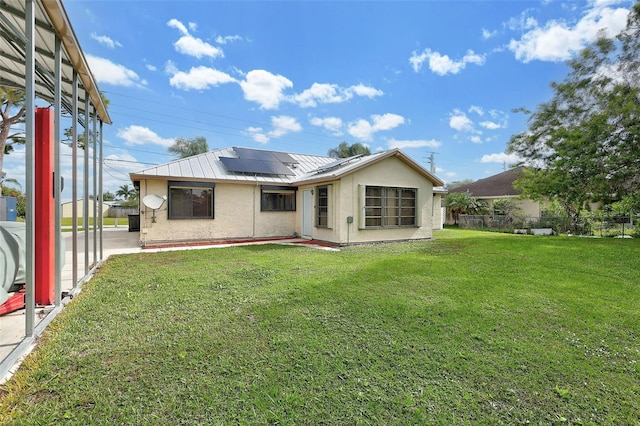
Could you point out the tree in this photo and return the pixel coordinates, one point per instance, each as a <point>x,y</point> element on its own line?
<point>463,203</point>
<point>13,102</point>
<point>344,150</point>
<point>108,196</point>
<point>583,143</point>
<point>184,148</point>
<point>458,183</point>
<point>504,206</point>
<point>126,193</point>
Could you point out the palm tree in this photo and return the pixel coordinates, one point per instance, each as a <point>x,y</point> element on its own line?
<point>344,150</point>
<point>184,148</point>
<point>13,100</point>
<point>126,193</point>
<point>463,203</point>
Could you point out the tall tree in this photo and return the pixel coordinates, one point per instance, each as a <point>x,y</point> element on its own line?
<point>463,203</point>
<point>12,113</point>
<point>184,148</point>
<point>583,143</point>
<point>344,150</point>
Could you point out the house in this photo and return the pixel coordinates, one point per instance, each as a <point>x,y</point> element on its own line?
<point>498,187</point>
<point>240,193</point>
<point>67,208</point>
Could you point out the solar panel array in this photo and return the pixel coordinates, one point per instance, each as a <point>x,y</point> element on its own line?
<point>337,163</point>
<point>259,162</point>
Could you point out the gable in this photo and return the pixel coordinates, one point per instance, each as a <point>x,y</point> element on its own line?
<point>494,186</point>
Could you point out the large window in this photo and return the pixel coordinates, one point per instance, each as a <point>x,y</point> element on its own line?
<point>322,206</point>
<point>278,199</point>
<point>389,207</point>
<point>190,200</point>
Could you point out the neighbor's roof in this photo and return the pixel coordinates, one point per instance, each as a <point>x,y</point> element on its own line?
<point>303,169</point>
<point>50,19</point>
<point>499,185</point>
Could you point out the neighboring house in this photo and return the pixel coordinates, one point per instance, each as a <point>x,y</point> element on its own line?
<point>240,193</point>
<point>67,208</point>
<point>498,187</point>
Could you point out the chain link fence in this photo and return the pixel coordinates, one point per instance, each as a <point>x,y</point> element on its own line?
<point>611,226</point>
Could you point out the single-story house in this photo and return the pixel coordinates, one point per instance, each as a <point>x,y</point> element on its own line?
<point>241,193</point>
<point>67,208</point>
<point>499,187</point>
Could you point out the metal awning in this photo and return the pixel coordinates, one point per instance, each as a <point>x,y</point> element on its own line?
<point>50,20</point>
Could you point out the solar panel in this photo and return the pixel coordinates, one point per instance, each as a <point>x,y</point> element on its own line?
<point>336,164</point>
<point>253,166</point>
<point>254,154</point>
<point>284,157</point>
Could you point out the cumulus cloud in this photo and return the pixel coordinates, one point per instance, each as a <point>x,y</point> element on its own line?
<point>416,143</point>
<point>281,125</point>
<point>459,121</point>
<point>106,41</point>
<point>442,64</point>
<point>324,93</point>
<point>332,124</point>
<point>193,46</point>
<point>364,130</point>
<point>486,34</point>
<point>265,88</point>
<point>108,72</point>
<point>559,40</point>
<point>139,135</point>
<point>500,158</point>
<point>199,78</point>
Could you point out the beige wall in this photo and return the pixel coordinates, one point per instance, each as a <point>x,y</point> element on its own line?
<point>67,208</point>
<point>237,215</point>
<point>344,202</point>
<point>237,211</point>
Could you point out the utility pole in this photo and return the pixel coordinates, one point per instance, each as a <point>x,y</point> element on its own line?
<point>432,162</point>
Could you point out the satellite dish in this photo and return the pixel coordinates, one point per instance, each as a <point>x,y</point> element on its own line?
<point>154,202</point>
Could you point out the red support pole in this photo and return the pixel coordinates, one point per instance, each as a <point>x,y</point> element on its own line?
<point>44,208</point>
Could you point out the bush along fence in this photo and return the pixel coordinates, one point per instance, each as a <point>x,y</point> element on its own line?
<point>596,225</point>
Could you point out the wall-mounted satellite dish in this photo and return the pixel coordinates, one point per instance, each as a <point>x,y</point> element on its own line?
<point>154,202</point>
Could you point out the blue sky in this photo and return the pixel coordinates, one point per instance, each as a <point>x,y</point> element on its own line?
<point>428,77</point>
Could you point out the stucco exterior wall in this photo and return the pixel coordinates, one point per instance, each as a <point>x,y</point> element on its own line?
<point>344,202</point>
<point>237,215</point>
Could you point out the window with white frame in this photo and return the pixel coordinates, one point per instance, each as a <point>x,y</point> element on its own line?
<point>190,200</point>
<point>389,207</point>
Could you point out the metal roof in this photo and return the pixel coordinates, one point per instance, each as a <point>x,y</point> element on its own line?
<point>50,20</point>
<point>304,169</point>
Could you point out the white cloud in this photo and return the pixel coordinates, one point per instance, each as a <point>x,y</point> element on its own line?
<point>459,121</point>
<point>558,40</point>
<point>325,93</point>
<point>139,135</point>
<point>478,110</point>
<point>108,72</point>
<point>443,64</point>
<point>332,124</point>
<point>171,68</point>
<point>174,23</point>
<point>284,124</point>
<point>417,143</point>
<point>193,46</point>
<point>106,41</point>
<point>490,125</point>
<point>476,139</point>
<point>151,67</point>
<point>258,135</point>
<point>265,88</point>
<point>200,78</point>
<point>228,39</point>
<point>486,34</point>
<point>364,130</point>
<point>281,125</point>
<point>500,158</point>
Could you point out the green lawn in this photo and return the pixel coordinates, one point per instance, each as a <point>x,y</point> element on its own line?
<point>107,221</point>
<point>471,328</point>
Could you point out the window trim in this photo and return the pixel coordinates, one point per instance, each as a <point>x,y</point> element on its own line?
<point>280,190</point>
<point>190,185</point>
<point>384,207</point>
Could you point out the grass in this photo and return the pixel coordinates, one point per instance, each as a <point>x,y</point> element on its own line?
<point>106,221</point>
<point>471,328</point>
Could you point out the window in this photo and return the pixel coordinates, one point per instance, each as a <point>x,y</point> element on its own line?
<point>389,207</point>
<point>190,200</point>
<point>322,206</point>
<point>278,199</point>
